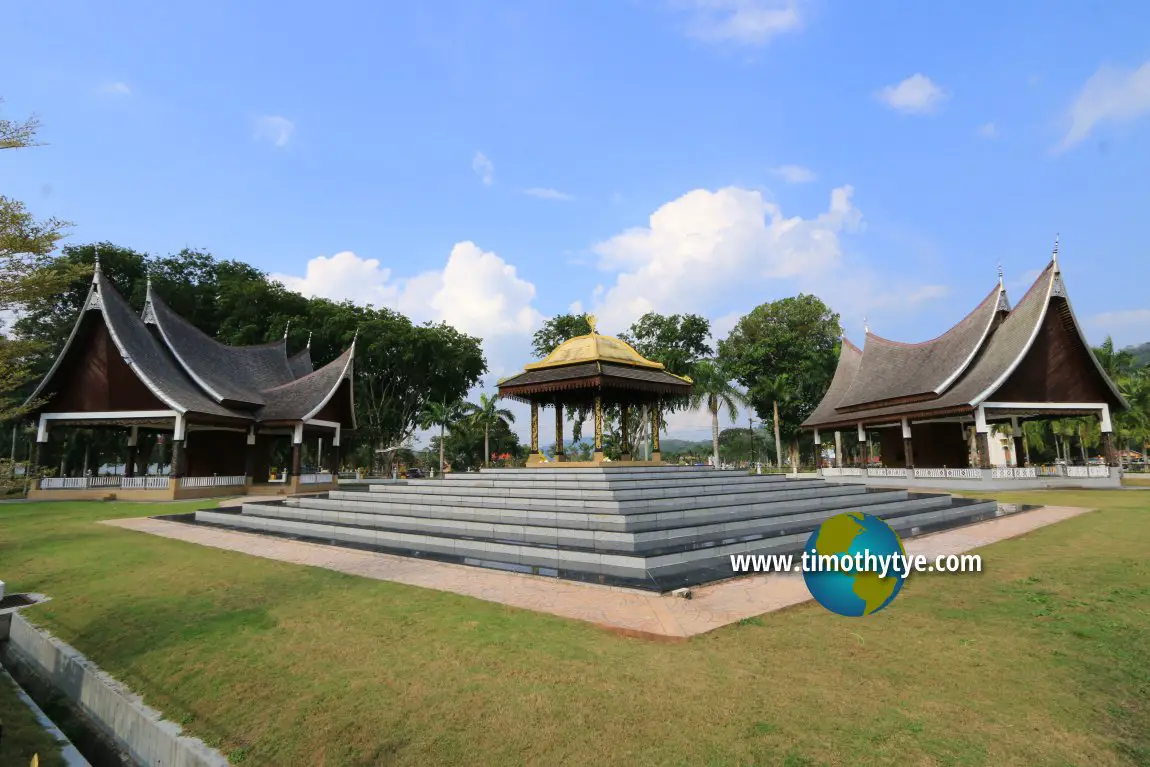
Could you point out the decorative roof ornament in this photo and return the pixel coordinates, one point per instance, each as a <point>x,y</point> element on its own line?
<point>592,320</point>
<point>96,270</point>
<point>1055,256</point>
<point>1000,274</point>
<point>309,339</point>
<point>287,327</point>
<point>866,327</point>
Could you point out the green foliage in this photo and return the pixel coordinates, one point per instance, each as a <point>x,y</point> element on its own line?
<point>487,415</point>
<point>1141,353</point>
<point>794,337</point>
<point>558,329</point>
<point>679,341</point>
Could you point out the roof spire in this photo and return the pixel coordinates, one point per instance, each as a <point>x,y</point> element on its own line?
<point>287,327</point>
<point>1055,256</point>
<point>592,320</point>
<point>999,274</point>
<point>309,339</point>
<point>96,270</point>
<point>866,327</point>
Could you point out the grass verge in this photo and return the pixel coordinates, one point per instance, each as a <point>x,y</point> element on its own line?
<point>23,736</point>
<point>1043,659</point>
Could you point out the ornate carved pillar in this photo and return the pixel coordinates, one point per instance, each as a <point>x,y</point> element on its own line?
<point>655,447</point>
<point>133,451</point>
<point>559,431</point>
<point>295,459</point>
<point>838,449</point>
<point>625,432</point>
<point>534,427</point>
<point>598,423</point>
<point>907,444</point>
<point>178,458</point>
<point>250,454</point>
<point>864,447</point>
<point>1019,446</point>
<point>982,439</point>
<point>1108,452</point>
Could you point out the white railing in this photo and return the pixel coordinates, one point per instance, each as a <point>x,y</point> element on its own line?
<point>835,471</point>
<point>63,483</point>
<point>1088,471</point>
<point>145,483</point>
<point>321,478</point>
<point>948,474</point>
<point>238,479</point>
<point>108,480</point>
<point>1013,472</point>
<point>886,472</point>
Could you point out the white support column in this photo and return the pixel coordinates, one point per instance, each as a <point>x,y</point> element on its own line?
<point>838,449</point>
<point>905,429</point>
<point>180,431</point>
<point>335,440</point>
<point>297,434</point>
<point>42,429</point>
<point>133,436</point>
<point>980,420</point>
<point>251,435</point>
<point>862,433</point>
<point>1104,419</point>
<point>818,439</point>
<point>1015,427</point>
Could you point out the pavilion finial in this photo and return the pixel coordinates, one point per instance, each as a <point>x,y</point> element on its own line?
<point>592,320</point>
<point>96,269</point>
<point>287,327</point>
<point>309,339</point>
<point>1000,274</point>
<point>866,327</point>
<point>1055,255</point>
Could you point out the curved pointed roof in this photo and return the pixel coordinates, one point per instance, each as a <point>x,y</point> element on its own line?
<point>593,347</point>
<point>891,370</point>
<point>301,399</point>
<point>233,374</point>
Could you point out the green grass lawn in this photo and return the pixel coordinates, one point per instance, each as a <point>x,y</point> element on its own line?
<point>1043,659</point>
<point>23,737</point>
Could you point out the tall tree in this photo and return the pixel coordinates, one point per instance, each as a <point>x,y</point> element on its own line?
<point>442,414</point>
<point>487,415</point>
<point>556,330</point>
<point>780,390</point>
<point>714,391</point>
<point>677,340</point>
<point>799,336</point>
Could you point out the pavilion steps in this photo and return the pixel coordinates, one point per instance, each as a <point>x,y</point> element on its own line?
<point>655,529</point>
<point>356,512</point>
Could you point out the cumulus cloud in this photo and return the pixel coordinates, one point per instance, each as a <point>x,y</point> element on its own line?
<point>706,244</point>
<point>548,194</point>
<point>988,130</point>
<point>116,89</point>
<point>1111,95</point>
<point>794,174</point>
<point>274,129</point>
<point>483,168</point>
<point>1126,326</point>
<point>745,22</point>
<point>916,94</point>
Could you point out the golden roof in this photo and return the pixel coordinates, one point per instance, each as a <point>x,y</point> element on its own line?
<point>593,348</point>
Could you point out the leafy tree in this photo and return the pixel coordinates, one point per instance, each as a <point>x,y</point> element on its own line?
<point>798,336</point>
<point>487,415</point>
<point>556,330</point>
<point>713,390</point>
<point>679,341</point>
<point>443,414</point>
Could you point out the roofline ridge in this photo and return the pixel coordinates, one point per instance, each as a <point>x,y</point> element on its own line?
<point>890,342</point>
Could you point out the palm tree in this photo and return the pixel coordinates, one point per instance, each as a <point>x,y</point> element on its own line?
<point>441,414</point>
<point>713,390</point>
<point>778,389</point>
<point>488,414</point>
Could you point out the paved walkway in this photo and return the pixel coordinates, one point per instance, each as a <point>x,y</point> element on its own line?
<point>628,611</point>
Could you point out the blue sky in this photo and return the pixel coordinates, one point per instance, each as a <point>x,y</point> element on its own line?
<point>491,164</point>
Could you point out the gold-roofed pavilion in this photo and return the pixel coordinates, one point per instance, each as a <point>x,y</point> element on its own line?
<point>591,371</point>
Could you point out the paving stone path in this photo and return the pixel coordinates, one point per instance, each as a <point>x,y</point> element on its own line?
<point>627,611</point>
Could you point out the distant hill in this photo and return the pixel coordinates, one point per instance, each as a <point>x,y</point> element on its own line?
<point>1141,353</point>
<point>685,446</point>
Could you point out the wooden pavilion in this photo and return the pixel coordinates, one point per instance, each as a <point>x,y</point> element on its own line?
<point>594,371</point>
<point>221,408</point>
<point>934,405</point>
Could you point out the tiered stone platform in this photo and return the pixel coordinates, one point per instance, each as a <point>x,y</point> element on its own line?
<point>655,528</point>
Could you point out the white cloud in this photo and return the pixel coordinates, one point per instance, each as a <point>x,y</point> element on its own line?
<point>746,22</point>
<point>914,95</point>
<point>345,276</point>
<point>274,129</point>
<point>794,174</point>
<point>116,89</point>
<point>1126,318</point>
<point>988,130</point>
<point>483,168</point>
<point>548,194</point>
<point>1110,95</point>
<point>700,246</point>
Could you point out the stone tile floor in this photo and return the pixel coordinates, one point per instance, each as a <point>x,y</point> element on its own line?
<point>626,611</point>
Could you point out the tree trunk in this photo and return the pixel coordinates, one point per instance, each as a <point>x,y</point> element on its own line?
<point>1082,445</point>
<point>442,430</point>
<point>486,448</point>
<point>715,433</point>
<point>778,442</point>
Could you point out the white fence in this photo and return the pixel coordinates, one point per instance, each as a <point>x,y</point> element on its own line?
<point>1088,471</point>
<point>145,483</point>
<point>948,474</point>
<point>321,478</point>
<point>885,472</point>
<point>237,479</point>
<point>835,471</point>
<point>1014,472</point>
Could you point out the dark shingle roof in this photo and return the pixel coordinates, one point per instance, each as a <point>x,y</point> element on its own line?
<point>994,361</point>
<point>301,364</point>
<point>849,358</point>
<point>298,399</point>
<point>151,361</point>
<point>891,370</point>
<point>592,370</point>
<point>233,374</point>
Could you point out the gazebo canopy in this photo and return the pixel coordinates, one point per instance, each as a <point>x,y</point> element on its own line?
<point>594,364</point>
